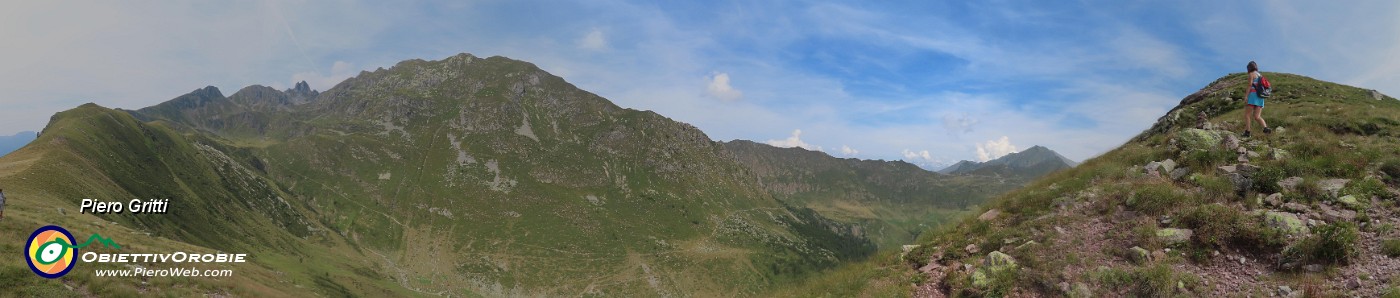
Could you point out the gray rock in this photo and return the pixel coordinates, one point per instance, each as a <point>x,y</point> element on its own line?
<point>1286,222</point>
<point>1285,291</point>
<point>995,262</point>
<point>1278,154</point>
<point>1377,95</point>
<point>1290,183</point>
<point>1295,207</point>
<point>1313,268</point>
<point>1202,120</point>
<point>1333,186</point>
<point>1168,165</point>
<point>1139,255</point>
<point>971,248</point>
<point>1331,214</point>
<point>1180,172</point>
<point>1192,139</point>
<point>1232,142</point>
<point>1350,202</point>
<point>1172,236</point>
<point>1275,199</point>
<point>1247,169</point>
<point>1230,169</point>
<point>1153,169</point>
<point>1242,183</point>
<point>989,215</point>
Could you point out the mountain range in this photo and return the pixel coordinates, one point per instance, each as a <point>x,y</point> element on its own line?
<point>10,143</point>
<point>1030,163</point>
<point>461,176</point>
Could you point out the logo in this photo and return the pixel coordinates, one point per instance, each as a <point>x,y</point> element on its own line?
<point>50,251</point>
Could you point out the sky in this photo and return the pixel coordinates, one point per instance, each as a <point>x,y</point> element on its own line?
<point>929,82</point>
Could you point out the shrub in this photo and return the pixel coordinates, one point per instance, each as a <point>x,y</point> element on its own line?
<point>1332,243</point>
<point>1265,180</point>
<point>1391,247</point>
<point>1308,191</point>
<point>1391,169</point>
<point>1205,160</point>
<point>1158,198</point>
<point>1156,281</point>
<point>1214,224</point>
<point>1217,226</point>
<point>1216,188</point>
<point>1366,188</point>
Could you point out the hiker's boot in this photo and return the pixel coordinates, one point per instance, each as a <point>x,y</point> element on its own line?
<point>1246,134</point>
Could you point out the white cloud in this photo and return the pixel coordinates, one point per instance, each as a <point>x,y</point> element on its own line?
<point>593,40</point>
<point>795,140</point>
<point>719,88</point>
<point>917,155</point>
<point>847,151</point>
<point>995,148</point>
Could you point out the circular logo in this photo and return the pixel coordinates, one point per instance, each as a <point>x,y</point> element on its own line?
<point>50,252</point>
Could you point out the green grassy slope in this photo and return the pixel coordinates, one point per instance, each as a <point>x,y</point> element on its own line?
<point>892,201</point>
<point>1074,233</point>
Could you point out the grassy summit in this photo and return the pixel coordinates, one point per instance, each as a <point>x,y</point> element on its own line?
<point>1304,210</point>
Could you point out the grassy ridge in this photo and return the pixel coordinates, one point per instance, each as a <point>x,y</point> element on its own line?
<point>1109,204</point>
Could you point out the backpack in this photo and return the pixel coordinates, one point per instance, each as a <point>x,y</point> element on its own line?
<point>1264,89</point>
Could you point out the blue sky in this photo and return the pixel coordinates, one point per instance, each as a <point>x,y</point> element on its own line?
<point>930,82</point>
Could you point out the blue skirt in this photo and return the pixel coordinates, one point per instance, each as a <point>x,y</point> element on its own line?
<point>1254,100</point>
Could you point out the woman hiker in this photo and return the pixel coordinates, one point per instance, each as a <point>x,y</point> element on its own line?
<point>1254,105</point>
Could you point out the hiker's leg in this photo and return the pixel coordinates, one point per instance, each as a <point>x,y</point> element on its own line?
<point>1249,115</point>
<point>1259,115</point>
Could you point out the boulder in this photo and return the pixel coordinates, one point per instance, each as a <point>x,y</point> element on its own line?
<point>1247,169</point>
<point>1241,182</point>
<point>1154,169</point>
<point>1290,183</point>
<point>1295,207</point>
<point>1229,169</point>
<point>1180,172</point>
<point>1138,255</point>
<point>1278,154</point>
<point>1335,215</point>
<point>971,248</point>
<point>1231,142</point>
<point>1202,120</point>
<point>1027,244</point>
<point>1332,186</point>
<point>1275,199</point>
<point>995,262</point>
<point>989,215</point>
<point>905,250</point>
<point>1173,236</point>
<point>1377,95</point>
<point>1350,202</point>
<point>1191,139</point>
<point>1168,165</point>
<point>1285,222</point>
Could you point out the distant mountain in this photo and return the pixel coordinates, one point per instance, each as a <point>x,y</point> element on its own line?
<point>11,143</point>
<point>464,176</point>
<point>1031,163</point>
<point>892,201</point>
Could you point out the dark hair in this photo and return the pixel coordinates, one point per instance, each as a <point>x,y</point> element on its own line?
<point>1252,67</point>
